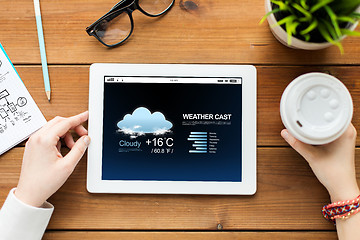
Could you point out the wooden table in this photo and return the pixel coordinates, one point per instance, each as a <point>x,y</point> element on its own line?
<point>289,198</point>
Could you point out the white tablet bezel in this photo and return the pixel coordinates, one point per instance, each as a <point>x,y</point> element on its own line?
<point>96,89</point>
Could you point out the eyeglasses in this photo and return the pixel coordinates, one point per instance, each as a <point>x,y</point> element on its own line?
<point>116,26</point>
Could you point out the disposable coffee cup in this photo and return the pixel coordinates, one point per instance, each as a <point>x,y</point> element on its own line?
<point>316,108</point>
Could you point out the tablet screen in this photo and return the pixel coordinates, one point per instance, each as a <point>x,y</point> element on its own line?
<point>172,129</point>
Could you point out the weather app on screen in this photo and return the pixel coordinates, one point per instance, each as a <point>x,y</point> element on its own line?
<point>172,129</point>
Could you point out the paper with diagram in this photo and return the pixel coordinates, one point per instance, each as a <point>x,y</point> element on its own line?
<point>19,114</point>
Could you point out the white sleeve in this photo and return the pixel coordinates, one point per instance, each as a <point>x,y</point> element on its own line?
<point>21,221</point>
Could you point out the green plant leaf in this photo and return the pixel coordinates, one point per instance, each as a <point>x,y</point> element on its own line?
<point>323,31</point>
<point>302,10</point>
<point>289,33</point>
<point>345,7</point>
<point>284,20</point>
<point>291,30</point>
<point>333,20</point>
<point>330,29</point>
<point>345,19</point>
<point>355,15</point>
<point>303,19</point>
<point>311,27</point>
<point>307,37</point>
<point>268,14</point>
<point>304,5</point>
<point>319,5</point>
<point>281,4</point>
<point>350,33</point>
<point>327,37</point>
<point>293,27</point>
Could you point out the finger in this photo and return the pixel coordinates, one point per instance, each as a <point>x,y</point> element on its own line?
<point>51,123</point>
<point>77,151</point>
<point>69,141</point>
<point>346,140</point>
<point>353,131</point>
<point>58,146</point>
<point>350,133</point>
<point>66,124</point>
<point>81,130</point>
<point>304,149</point>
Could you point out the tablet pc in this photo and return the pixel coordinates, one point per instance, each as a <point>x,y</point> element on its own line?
<point>172,129</point>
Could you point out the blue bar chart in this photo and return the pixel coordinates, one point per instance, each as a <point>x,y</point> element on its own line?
<point>200,142</point>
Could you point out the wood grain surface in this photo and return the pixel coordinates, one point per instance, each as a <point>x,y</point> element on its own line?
<point>288,197</point>
<point>212,32</point>
<point>190,235</point>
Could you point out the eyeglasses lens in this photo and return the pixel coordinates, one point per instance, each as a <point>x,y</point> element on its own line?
<point>155,7</point>
<point>114,28</point>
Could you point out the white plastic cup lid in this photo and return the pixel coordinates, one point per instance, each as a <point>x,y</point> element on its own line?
<point>316,108</point>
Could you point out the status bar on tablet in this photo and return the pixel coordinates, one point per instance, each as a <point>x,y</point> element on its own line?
<point>167,79</point>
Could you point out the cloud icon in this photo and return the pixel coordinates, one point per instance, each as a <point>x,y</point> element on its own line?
<point>142,121</point>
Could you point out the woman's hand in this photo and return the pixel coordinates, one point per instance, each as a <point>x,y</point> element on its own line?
<point>333,163</point>
<point>44,170</point>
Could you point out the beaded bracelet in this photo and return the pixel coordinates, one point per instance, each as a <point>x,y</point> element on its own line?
<point>341,209</point>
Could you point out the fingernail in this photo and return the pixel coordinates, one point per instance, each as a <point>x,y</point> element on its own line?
<point>87,140</point>
<point>285,134</point>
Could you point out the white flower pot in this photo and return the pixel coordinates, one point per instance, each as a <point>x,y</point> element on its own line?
<point>281,35</point>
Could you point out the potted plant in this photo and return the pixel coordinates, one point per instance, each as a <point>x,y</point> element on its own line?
<point>312,24</point>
